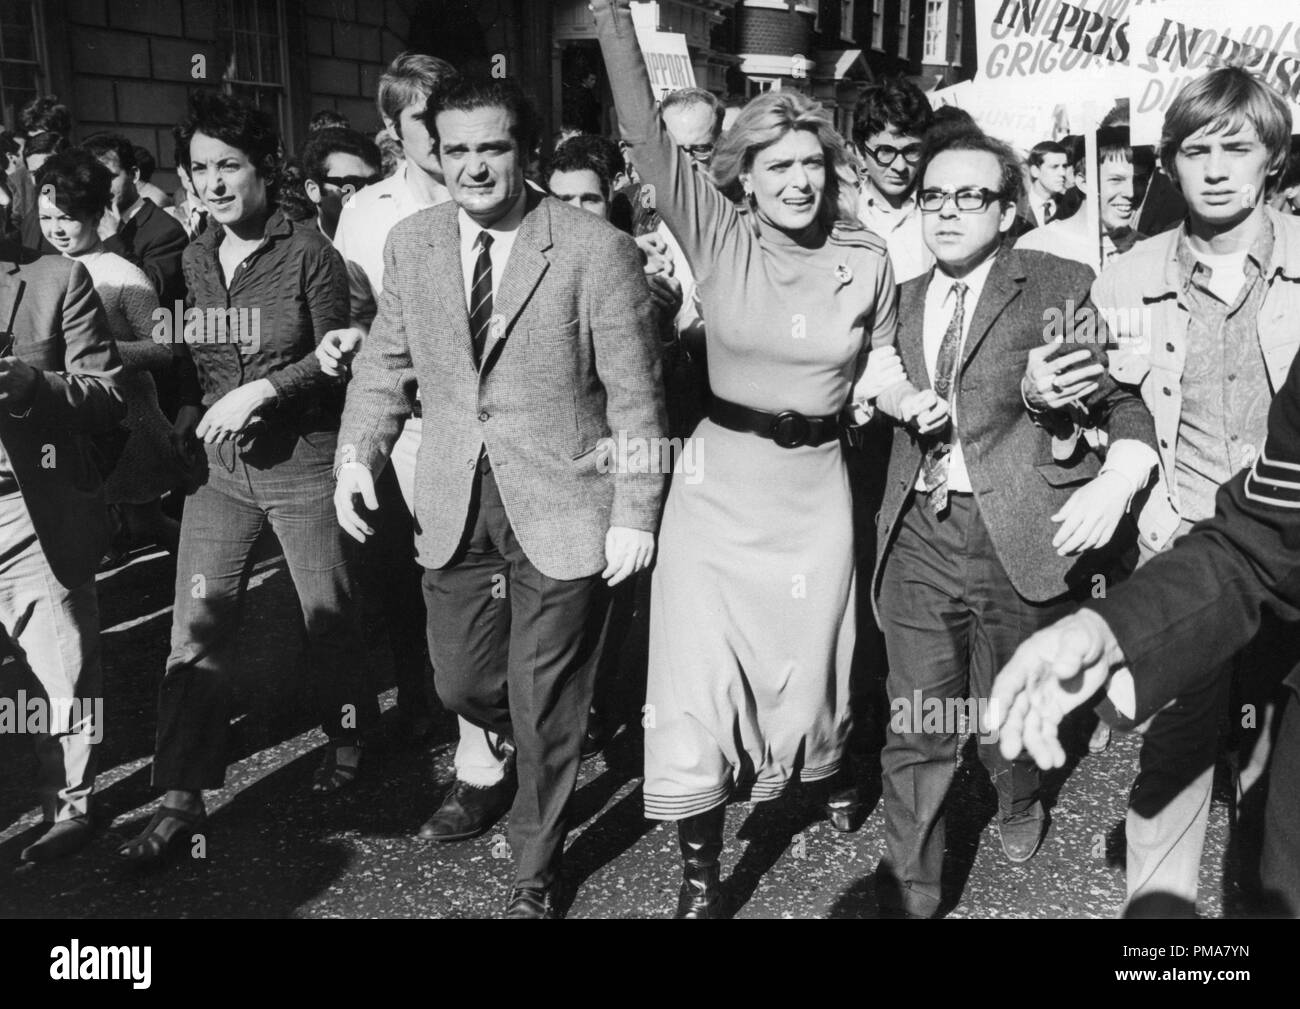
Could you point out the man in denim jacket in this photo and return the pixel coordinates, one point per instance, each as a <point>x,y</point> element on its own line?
<point>1205,318</point>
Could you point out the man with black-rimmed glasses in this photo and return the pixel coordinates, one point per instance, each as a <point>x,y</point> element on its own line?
<point>983,535</point>
<point>891,120</point>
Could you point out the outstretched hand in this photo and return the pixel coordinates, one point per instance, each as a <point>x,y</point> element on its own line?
<point>1053,672</point>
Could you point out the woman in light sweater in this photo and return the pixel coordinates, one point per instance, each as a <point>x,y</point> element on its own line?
<point>752,600</point>
<point>73,189</point>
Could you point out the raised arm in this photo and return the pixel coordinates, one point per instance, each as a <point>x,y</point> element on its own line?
<point>700,217</point>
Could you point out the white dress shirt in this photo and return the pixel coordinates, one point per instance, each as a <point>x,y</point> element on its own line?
<point>367,218</point>
<point>132,210</point>
<point>503,234</point>
<point>1039,207</point>
<point>940,303</point>
<point>901,230</point>
<point>1129,457</point>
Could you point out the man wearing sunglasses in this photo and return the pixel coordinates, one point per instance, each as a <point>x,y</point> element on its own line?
<point>983,536</point>
<point>336,163</point>
<point>891,120</point>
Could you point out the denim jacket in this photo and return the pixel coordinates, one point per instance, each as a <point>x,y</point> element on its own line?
<point>1140,296</point>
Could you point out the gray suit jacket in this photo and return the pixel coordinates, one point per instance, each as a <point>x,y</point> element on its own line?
<point>1017,483</point>
<point>575,360</point>
<point>49,309</point>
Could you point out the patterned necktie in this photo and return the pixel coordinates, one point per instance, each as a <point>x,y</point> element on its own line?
<point>934,467</point>
<point>480,297</point>
<point>1049,211</point>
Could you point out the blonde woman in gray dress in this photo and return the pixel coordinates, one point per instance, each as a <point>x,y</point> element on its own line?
<point>752,599</point>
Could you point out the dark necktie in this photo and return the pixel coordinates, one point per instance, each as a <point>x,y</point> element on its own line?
<point>480,297</point>
<point>935,465</point>
<point>1049,211</point>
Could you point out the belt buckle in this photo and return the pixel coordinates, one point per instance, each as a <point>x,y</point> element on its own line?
<point>790,429</point>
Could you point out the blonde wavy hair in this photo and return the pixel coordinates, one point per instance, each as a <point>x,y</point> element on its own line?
<point>764,121</point>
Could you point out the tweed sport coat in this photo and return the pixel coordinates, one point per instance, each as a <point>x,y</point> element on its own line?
<point>575,359</point>
<point>54,318</point>
<point>1017,483</point>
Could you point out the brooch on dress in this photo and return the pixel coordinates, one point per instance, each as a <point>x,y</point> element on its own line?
<point>843,274</point>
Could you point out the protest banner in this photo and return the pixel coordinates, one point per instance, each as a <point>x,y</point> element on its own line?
<point>1084,41</point>
<point>1181,40</point>
<point>666,56</point>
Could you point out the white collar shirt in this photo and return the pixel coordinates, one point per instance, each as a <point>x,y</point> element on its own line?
<point>940,303</point>
<point>503,232</point>
<point>367,218</point>
<point>901,230</point>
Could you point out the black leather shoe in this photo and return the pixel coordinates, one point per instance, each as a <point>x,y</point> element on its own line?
<point>1022,833</point>
<point>470,810</point>
<point>845,809</point>
<point>531,902</point>
<point>600,734</point>
<point>701,843</point>
<point>64,838</point>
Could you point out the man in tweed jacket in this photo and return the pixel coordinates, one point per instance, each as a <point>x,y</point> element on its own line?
<point>522,522</point>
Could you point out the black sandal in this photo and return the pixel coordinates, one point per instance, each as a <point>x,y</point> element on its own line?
<point>150,849</point>
<point>332,776</point>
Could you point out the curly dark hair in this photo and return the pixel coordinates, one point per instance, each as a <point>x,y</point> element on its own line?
<point>45,143</point>
<point>328,140</point>
<point>1012,182</point>
<point>77,183</point>
<point>895,102</point>
<point>238,123</point>
<point>114,144</point>
<point>45,114</point>
<point>588,153</point>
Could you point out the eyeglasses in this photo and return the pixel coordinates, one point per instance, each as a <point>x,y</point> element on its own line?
<point>355,181</point>
<point>886,155</point>
<point>970,200</point>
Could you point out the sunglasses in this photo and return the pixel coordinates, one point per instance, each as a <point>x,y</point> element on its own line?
<point>344,181</point>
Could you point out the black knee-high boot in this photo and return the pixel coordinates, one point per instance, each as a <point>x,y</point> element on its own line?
<point>701,841</point>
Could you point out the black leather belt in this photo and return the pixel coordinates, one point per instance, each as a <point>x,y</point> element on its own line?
<point>787,428</point>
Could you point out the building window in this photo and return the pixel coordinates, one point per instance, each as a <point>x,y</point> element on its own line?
<point>936,32</point>
<point>759,85</point>
<point>256,62</point>
<point>956,37</point>
<point>878,25</point>
<point>846,20</point>
<point>21,46</point>
<point>904,17</point>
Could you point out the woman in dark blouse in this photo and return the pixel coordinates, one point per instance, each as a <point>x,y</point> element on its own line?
<point>262,292</point>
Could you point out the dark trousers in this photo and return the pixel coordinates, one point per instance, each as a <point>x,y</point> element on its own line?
<point>951,620</point>
<point>1280,862</point>
<point>221,525</point>
<point>516,651</point>
<point>391,580</point>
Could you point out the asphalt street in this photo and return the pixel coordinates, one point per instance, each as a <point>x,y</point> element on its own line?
<point>271,849</point>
